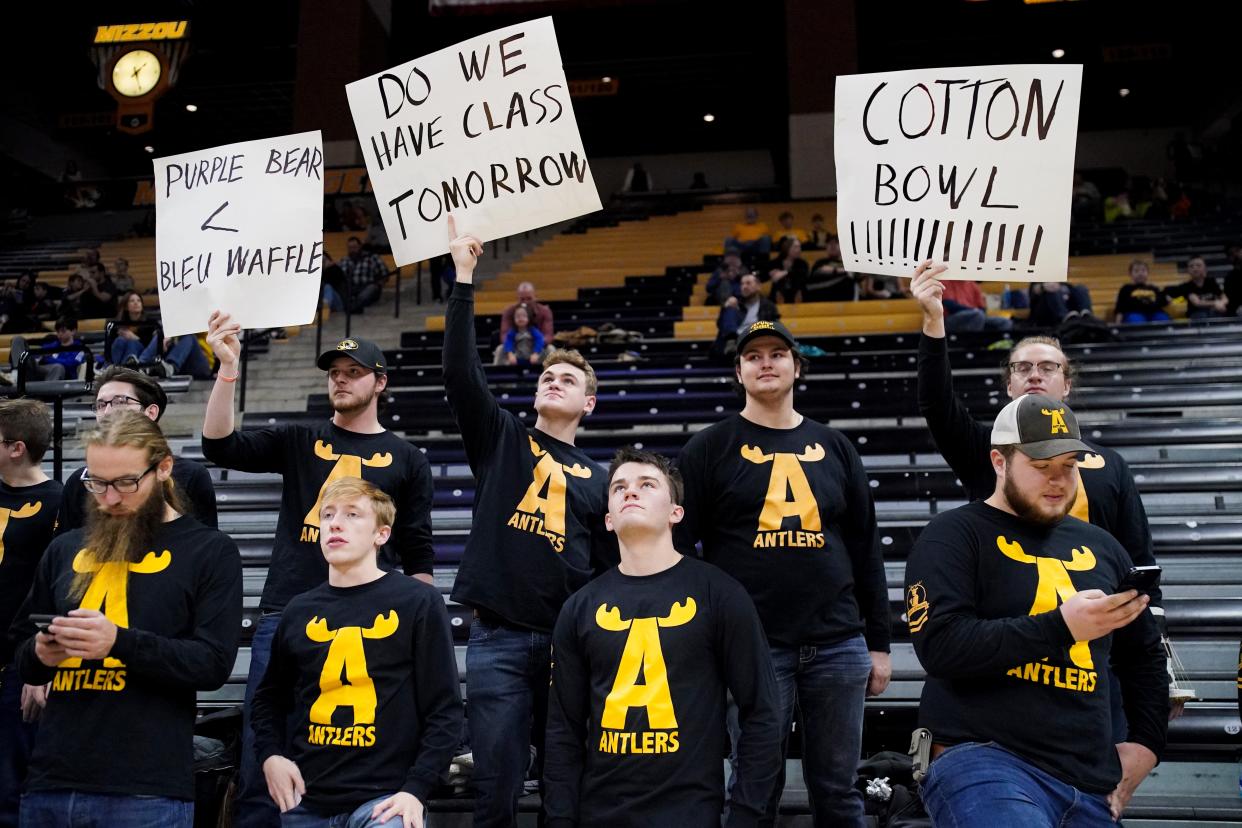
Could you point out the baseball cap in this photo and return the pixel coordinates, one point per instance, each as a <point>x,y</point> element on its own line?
<point>1039,426</point>
<point>764,328</point>
<point>362,351</point>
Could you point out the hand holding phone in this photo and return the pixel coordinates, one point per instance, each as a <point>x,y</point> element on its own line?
<point>42,622</point>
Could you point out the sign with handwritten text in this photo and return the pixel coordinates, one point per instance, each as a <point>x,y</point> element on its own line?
<point>969,166</point>
<point>239,228</point>
<point>484,130</point>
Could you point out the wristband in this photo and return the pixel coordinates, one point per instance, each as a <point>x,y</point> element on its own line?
<point>223,378</point>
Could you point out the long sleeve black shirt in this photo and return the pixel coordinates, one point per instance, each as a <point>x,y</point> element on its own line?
<point>636,713</point>
<point>391,722</point>
<point>789,514</point>
<point>27,520</point>
<point>538,529</point>
<point>1107,497</point>
<point>983,591</point>
<point>309,457</point>
<point>125,724</point>
<point>193,483</point>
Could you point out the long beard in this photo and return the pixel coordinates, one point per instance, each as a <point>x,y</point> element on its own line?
<point>120,538</point>
<point>1027,508</point>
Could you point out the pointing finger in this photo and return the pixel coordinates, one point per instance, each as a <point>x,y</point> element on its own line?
<point>452,227</point>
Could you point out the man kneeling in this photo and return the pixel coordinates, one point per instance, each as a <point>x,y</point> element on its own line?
<point>363,674</point>
<point>1014,611</point>
<point>641,659</point>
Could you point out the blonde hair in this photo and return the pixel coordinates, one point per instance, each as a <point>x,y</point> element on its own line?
<point>355,488</point>
<point>568,356</point>
<point>136,430</point>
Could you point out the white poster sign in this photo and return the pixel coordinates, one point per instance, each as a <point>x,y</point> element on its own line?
<point>484,130</point>
<point>239,228</point>
<point>970,166</point>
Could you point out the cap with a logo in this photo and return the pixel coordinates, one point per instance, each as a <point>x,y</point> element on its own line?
<point>764,328</point>
<point>362,351</point>
<point>1039,426</point>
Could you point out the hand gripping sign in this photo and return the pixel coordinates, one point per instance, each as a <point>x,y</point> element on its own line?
<point>484,130</point>
<point>969,166</point>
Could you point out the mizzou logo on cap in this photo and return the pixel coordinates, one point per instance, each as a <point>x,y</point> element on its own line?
<point>761,326</point>
<point>347,345</point>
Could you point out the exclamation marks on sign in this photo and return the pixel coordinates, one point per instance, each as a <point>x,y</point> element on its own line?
<point>981,257</point>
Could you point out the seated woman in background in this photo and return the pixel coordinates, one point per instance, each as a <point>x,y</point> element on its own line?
<point>130,320</point>
<point>789,271</point>
<point>1140,301</point>
<point>524,342</point>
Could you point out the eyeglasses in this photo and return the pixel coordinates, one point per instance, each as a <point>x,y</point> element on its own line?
<point>123,485</point>
<point>119,400</point>
<point>1047,368</point>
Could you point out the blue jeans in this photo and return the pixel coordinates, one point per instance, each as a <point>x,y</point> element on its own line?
<point>984,785</point>
<point>507,674</point>
<point>973,319</point>
<point>302,817</point>
<point>123,348</point>
<point>185,355</point>
<point>76,809</point>
<point>255,808</point>
<point>829,686</point>
<point>16,742</point>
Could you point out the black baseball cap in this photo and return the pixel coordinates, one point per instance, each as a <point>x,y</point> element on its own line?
<point>1039,426</point>
<point>362,351</point>
<point>764,328</point>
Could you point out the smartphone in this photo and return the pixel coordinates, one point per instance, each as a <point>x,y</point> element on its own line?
<point>1141,578</point>
<point>41,621</point>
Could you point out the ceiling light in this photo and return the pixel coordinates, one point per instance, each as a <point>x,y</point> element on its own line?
<point>1058,53</point>
<point>191,108</point>
<point>149,148</point>
<point>709,117</point>
<point>606,79</point>
<point>1123,91</point>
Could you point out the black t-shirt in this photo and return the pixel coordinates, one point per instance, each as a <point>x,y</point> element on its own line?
<point>1209,291</point>
<point>789,514</point>
<point>309,457</point>
<point>983,588</point>
<point>193,484</point>
<point>538,530</point>
<point>125,724</point>
<point>636,715</point>
<point>395,719</point>
<point>27,520</point>
<point>1107,497</point>
<point>1145,298</point>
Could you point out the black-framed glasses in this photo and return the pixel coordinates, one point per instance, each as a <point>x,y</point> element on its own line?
<point>123,485</point>
<point>1046,368</point>
<point>120,399</point>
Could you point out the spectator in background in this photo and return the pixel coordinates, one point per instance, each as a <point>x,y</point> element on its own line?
<point>1086,203</point>
<point>820,234</point>
<point>44,306</point>
<point>876,286</point>
<point>366,275</point>
<point>724,281</point>
<point>540,314</point>
<point>183,355</point>
<point>789,272</point>
<point>1233,280</point>
<point>750,237</point>
<point>377,236</point>
<point>98,300</point>
<point>13,304</point>
<point>966,308</point>
<point>523,343</point>
<point>121,278</point>
<point>91,262</point>
<point>786,229</point>
<point>738,313</point>
<point>1205,299</point>
<point>698,182</point>
<point>1054,302</point>
<point>637,180</point>
<point>1118,207</point>
<point>333,283</point>
<point>1140,301</point>
<point>130,320</point>
<point>829,280</point>
<point>49,364</point>
<point>75,287</point>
